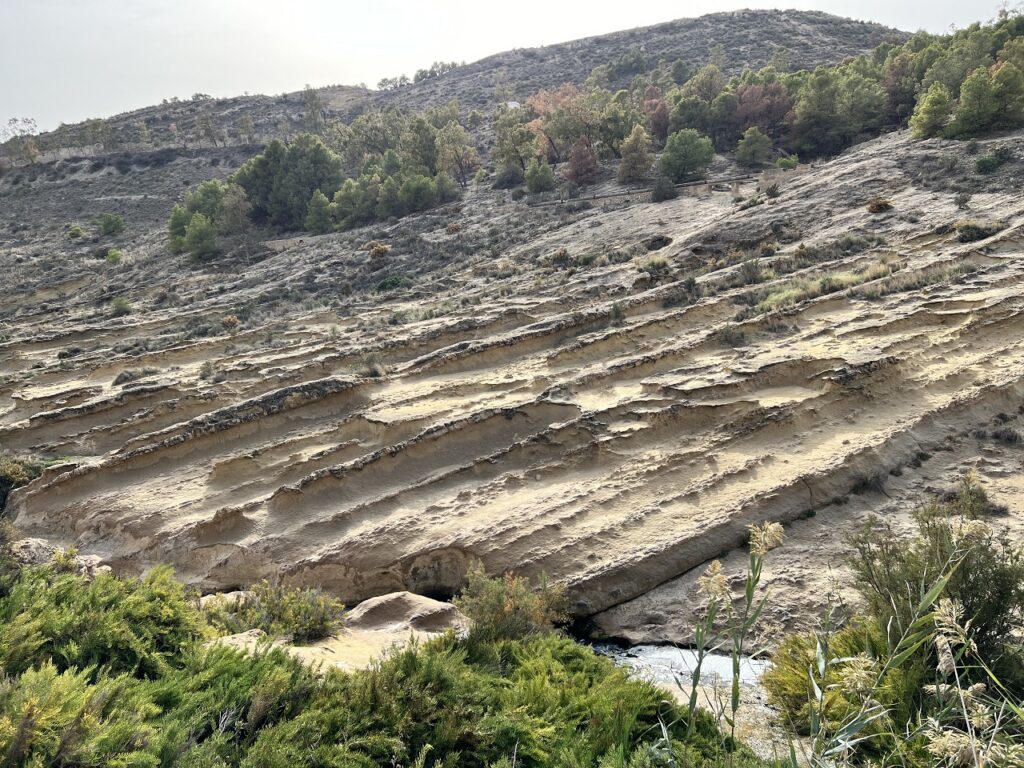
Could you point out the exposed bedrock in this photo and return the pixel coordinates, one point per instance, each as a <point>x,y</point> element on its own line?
<point>613,426</point>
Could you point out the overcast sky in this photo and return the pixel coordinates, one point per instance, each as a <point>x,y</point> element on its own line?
<point>68,60</point>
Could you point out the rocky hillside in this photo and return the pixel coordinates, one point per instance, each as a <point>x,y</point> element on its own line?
<point>605,394</point>
<point>747,39</point>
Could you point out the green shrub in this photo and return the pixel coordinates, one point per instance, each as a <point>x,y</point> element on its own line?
<point>687,155</point>
<point>114,672</point>
<point>302,614</point>
<point>732,336</point>
<point>663,190</point>
<point>201,237</point>
<point>120,307</point>
<point>993,162</point>
<point>787,163</point>
<point>943,612</point>
<point>114,257</point>
<point>75,232</point>
<point>509,608</point>
<point>15,472</point>
<point>108,625</point>
<point>110,224</point>
<point>539,176</point>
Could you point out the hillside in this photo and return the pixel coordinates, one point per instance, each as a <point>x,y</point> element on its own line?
<point>604,389</point>
<point>517,419</point>
<point>748,39</point>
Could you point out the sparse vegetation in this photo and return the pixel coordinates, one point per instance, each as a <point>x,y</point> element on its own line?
<point>110,224</point>
<point>120,307</point>
<point>969,230</point>
<point>663,190</point>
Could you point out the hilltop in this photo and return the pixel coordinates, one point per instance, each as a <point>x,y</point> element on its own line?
<point>747,39</point>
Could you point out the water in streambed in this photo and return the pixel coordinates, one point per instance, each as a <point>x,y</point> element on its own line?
<point>667,664</point>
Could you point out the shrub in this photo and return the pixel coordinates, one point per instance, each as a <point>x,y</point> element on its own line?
<point>663,190</point>
<point>953,565</point>
<point>318,214</point>
<point>372,366</point>
<point>772,191</point>
<point>755,148</point>
<point>637,157</point>
<point>509,178</point>
<point>377,250</point>
<point>120,307</point>
<point>582,167</point>
<point>122,626</point>
<point>879,205</point>
<point>110,224</point>
<point>968,231</point>
<point>995,161</point>
<point>509,608</point>
<point>787,163</point>
<point>201,237</point>
<point>539,176</point>
<point>15,472</point>
<point>732,336</point>
<point>114,256</point>
<point>302,614</point>
<point>75,232</point>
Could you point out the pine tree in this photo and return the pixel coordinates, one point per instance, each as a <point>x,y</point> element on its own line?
<point>977,109</point>
<point>637,157</point>
<point>687,155</point>
<point>201,237</point>
<point>754,148</point>
<point>932,112</point>
<point>318,214</point>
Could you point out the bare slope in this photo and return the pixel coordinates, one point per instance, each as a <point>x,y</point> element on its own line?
<point>546,404</point>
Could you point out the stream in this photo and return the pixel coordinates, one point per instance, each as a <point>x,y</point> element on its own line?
<point>668,664</point>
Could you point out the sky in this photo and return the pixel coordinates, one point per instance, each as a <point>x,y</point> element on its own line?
<point>69,60</point>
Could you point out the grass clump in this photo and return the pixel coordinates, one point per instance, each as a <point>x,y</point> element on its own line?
<point>969,231</point>
<point>803,289</point>
<point>303,614</point>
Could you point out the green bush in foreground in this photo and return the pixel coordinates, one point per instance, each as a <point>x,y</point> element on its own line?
<point>304,614</point>
<point>933,670</point>
<point>116,672</point>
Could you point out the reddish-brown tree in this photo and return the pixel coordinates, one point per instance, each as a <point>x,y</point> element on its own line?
<point>583,165</point>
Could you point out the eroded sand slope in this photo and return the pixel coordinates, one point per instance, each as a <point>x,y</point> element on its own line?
<point>541,411</point>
